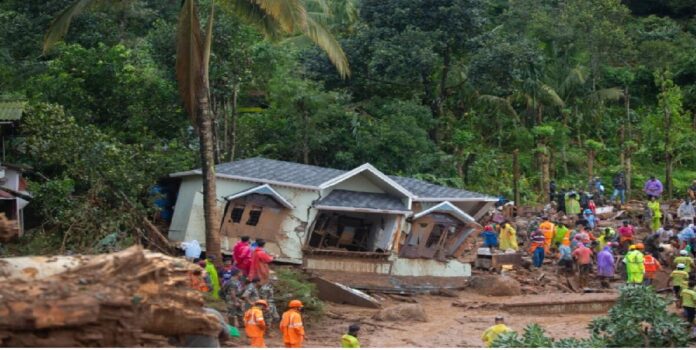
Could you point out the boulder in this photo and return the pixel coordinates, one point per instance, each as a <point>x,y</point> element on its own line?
<point>495,285</point>
<point>402,312</point>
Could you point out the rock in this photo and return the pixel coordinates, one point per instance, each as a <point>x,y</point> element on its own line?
<point>495,285</point>
<point>402,312</point>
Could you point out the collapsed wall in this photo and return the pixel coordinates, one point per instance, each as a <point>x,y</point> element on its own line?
<point>132,298</point>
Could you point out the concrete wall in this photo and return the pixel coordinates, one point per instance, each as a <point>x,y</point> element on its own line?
<point>430,267</point>
<point>188,221</point>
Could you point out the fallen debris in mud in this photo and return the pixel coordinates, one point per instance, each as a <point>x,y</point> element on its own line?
<point>339,293</point>
<point>495,285</point>
<point>402,312</point>
<point>132,298</point>
<point>8,228</point>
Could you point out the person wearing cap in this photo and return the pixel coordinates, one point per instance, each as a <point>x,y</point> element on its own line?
<point>652,265</point>
<point>255,325</point>
<point>291,325</point>
<point>688,302</point>
<point>490,334</point>
<point>685,259</point>
<point>635,269</point>
<point>679,280</point>
<point>490,240</point>
<point>508,236</point>
<point>350,339</point>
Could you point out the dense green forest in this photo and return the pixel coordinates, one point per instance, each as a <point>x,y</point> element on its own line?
<point>443,90</point>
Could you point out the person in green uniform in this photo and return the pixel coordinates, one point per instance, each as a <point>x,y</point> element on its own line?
<point>350,340</point>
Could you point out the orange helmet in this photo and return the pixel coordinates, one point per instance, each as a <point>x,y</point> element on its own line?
<point>640,246</point>
<point>295,303</point>
<point>261,302</point>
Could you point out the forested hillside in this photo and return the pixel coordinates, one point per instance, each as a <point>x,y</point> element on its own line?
<point>443,90</point>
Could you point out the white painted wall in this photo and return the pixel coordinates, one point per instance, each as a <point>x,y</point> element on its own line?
<point>430,267</point>
<point>182,208</point>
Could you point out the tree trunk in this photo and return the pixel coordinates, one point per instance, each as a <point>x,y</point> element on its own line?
<point>305,137</point>
<point>516,176</point>
<point>564,154</point>
<point>590,164</point>
<point>622,140</point>
<point>210,209</point>
<point>628,175</point>
<point>544,163</point>
<point>668,153</point>
<point>627,153</point>
<point>233,127</point>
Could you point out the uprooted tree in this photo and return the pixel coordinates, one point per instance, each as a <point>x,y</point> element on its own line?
<point>639,319</point>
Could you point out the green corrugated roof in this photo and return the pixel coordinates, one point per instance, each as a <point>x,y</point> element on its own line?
<point>11,110</point>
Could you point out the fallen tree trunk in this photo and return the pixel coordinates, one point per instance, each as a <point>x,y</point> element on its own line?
<point>131,298</point>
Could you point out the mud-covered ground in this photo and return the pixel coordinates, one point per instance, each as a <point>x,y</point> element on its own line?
<point>447,325</point>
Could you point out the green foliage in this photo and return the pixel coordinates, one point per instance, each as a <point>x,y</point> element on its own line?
<point>87,174</point>
<point>294,284</point>
<point>594,145</point>
<point>641,318</point>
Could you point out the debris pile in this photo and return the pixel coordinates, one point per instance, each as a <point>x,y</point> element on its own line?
<point>8,228</point>
<point>133,298</point>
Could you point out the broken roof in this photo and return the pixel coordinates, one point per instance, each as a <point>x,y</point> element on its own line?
<point>276,172</point>
<point>344,199</point>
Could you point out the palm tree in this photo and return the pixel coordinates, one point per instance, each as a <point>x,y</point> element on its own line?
<point>272,17</point>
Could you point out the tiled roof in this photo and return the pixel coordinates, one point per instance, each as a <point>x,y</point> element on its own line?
<point>362,200</point>
<point>275,171</point>
<point>280,171</point>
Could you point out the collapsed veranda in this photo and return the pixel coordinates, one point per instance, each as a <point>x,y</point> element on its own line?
<point>328,219</point>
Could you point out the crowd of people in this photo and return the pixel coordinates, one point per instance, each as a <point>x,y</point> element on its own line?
<point>246,285</point>
<point>571,234</point>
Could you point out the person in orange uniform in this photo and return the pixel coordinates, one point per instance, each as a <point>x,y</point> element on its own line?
<point>291,325</point>
<point>254,324</point>
<point>548,229</point>
<point>651,267</point>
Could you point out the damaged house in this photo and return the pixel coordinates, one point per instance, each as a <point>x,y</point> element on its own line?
<point>328,219</point>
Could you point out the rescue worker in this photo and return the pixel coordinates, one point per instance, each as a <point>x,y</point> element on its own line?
<point>679,280</point>
<point>212,272</point>
<point>255,325</point>
<point>688,302</point>
<point>562,233</point>
<point>565,257</point>
<point>291,325</point>
<point>266,293</point>
<point>626,233</point>
<point>655,213</point>
<point>230,293</point>
<point>350,340</point>
<point>652,265</point>
<point>548,229</point>
<point>260,259</point>
<point>635,269</point>
<point>685,259</point>
<point>508,237</point>
<point>490,334</point>
<point>242,255</point>
<point>537,248</point>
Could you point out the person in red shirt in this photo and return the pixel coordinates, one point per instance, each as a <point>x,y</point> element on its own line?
<point>242,255</point>
<point>652,265</point>
<point>259,262</point>
<point>626,233</point>
<point>583,257</point>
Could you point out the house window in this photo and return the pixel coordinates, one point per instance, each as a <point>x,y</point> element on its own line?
<point>254,216</point>
<point>237,213</point>
<point>435,236</point>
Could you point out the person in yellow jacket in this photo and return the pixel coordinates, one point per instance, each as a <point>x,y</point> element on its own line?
<point>291,325</point>
<point>350,340</point>
<point>635,268</point>
<point>508,237</point>
<point>655,213</point>
<point>490,334</point>
<point>255,325</point>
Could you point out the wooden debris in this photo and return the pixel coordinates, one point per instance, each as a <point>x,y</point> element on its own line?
<point>8,228</point>
<point>132,298</point>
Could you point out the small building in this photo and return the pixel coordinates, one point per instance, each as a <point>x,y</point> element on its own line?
<point>328,219</point>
